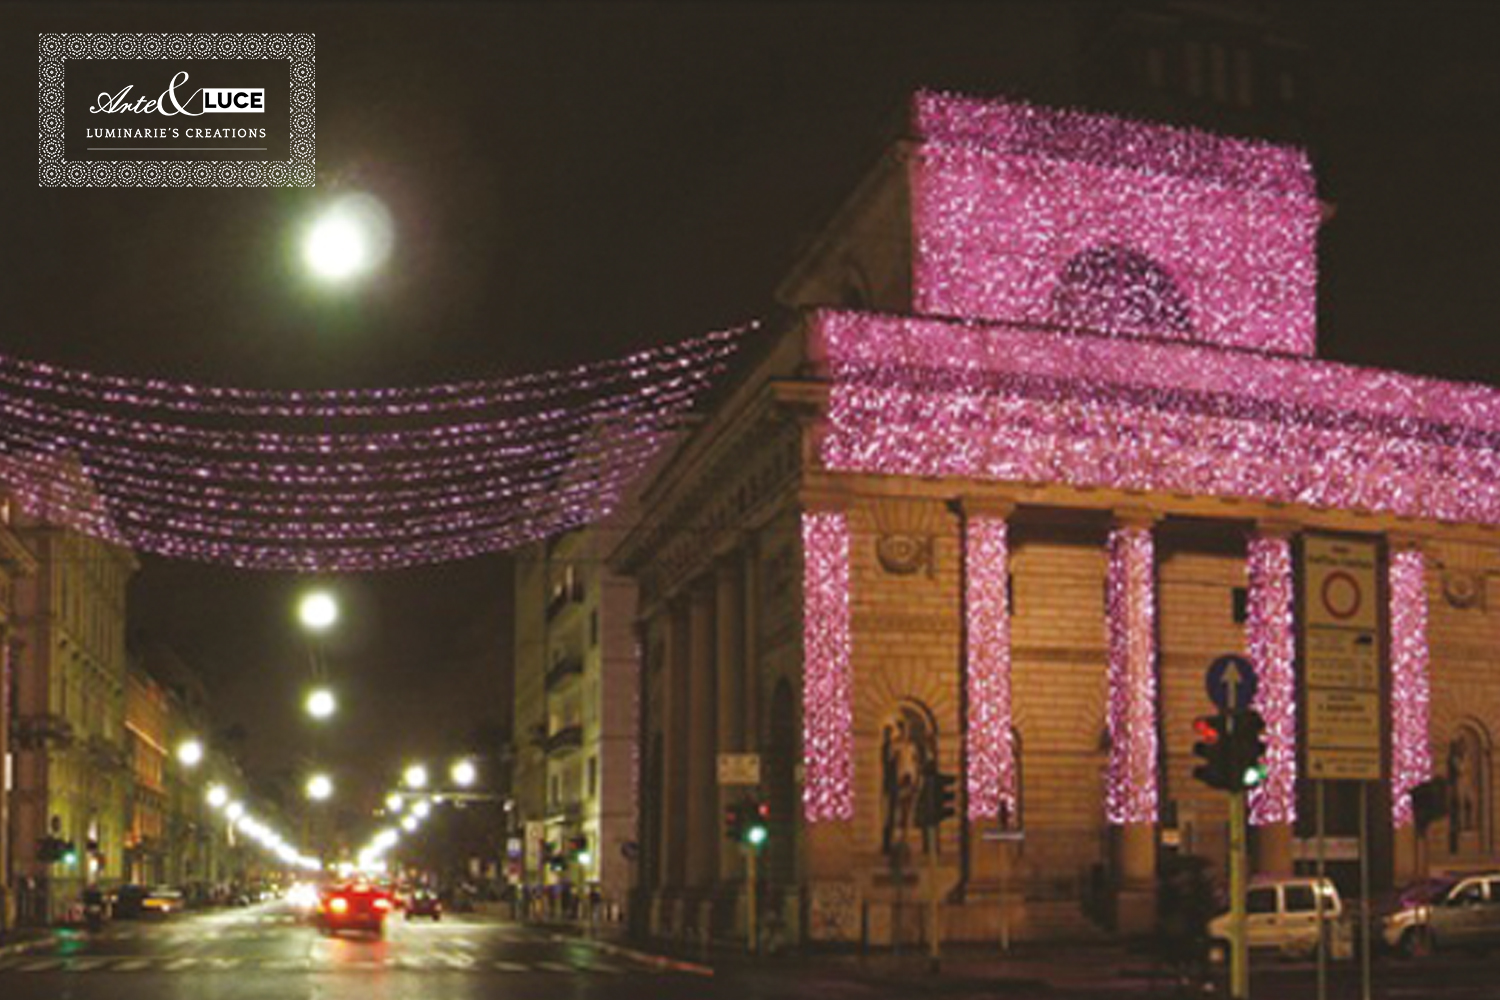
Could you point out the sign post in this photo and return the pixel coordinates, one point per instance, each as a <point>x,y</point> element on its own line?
<point>1341,685</point>
<point>1231,682</point>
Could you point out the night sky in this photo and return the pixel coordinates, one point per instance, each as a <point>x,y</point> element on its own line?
<point>571,181</point>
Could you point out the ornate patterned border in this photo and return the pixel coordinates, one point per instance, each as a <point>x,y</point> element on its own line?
<point>54,51</point>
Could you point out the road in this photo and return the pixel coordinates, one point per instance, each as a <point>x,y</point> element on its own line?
<point>264,951</point>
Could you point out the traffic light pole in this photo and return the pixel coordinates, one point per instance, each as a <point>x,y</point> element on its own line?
<point>1239,952</point>
<point>934,921</point>
<point>754,939</point>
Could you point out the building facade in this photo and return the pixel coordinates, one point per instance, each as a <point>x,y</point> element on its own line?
<point>1049,436</point>
<point>16,563</point>
<point>72,772</point>
<point>575,718</point>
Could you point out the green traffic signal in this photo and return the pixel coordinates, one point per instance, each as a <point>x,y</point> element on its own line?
<point>756,835</point>
<point>1254,775</point>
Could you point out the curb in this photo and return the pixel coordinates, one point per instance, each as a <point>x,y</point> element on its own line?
<point>24,947</point>
<point>644,957</point>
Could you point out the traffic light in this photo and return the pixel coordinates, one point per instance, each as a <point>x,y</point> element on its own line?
<point>1249,749</point>
<point>757,828</point>
<point>947,796</point>
<point>1214,750</point>
<point>578,850</point>
<point>734,821</point>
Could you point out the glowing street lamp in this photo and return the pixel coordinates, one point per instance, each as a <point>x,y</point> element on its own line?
<point>409,823</point>
<point>317,611</point>
<point>421,809</point>
<point>415,776</point>
<point>217,796</point>
<point>319,787</point>
<point>190,752</point>
<point>394,802</point>
<point>234,811</point>
<point>321,703</point>
<point>354,234</point>
<point>463,773</point>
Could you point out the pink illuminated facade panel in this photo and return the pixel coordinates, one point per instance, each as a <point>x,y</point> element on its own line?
<point>827,689</point>
<point>922,397</point>
<point>1271,641</point>
<point>1130,792</point>
<point>989,749</point>
<point>1411,753</point>
<point>1087,222</point>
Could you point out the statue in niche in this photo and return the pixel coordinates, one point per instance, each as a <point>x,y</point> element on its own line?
<point>908,745</point>
<point>1465,792</point>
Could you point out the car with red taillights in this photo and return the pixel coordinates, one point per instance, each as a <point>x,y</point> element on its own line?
<point>356,906</point>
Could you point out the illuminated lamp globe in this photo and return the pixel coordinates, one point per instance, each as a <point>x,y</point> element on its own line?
<point>190,753</point>
<point>353,235</point>
<point>319,787</point>
<point>318,611</point>
<point>415,776</point>
<point>321,703</point>
<point>218,796</point>
<point>464,773</point>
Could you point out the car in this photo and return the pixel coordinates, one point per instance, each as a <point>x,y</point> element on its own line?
<point>1281,914</point>
<point>354,906</point>
<point>424,903</point>
<point>1455,911</point>
<point>133,901</point>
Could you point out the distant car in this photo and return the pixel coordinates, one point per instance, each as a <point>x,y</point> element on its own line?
<point>424,903</point>
<point>1452,912</point>
<point>353,907</point>
<point>1281,914</point>
<point>134,901</point>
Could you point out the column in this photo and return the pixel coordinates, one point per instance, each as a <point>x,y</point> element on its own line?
<point>729,650</point>
<point>1271,643</point>
<point>990,785</point>
<point>827,688</point>
<point>1411,751</point>
<point>703,815</point>
<point>749,633</point>
<point>674,836</point>
<point>1130,794</point>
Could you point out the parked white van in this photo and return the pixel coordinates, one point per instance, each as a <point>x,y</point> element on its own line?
<point>1281,914</point>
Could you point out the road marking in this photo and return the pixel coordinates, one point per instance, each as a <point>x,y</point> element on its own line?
<point>44,965</point>
<point>556,967</point>
<point>133,965</point>
<point>86,964</point>
<point>510,967</point>
<point>179,964</point>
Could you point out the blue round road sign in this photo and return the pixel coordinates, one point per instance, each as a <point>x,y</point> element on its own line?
<point>1231,683</point>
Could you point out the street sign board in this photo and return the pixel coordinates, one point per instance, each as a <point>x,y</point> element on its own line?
<point>1231,683</point>
<point>1341,652</point>
<point>739,768</point>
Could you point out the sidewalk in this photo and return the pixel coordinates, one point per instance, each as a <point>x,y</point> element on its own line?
<point>1026,968</point>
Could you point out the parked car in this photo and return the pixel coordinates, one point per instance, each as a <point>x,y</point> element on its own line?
<point>1281,915</point>
<point>134,901</point>
<point>1450,912</point>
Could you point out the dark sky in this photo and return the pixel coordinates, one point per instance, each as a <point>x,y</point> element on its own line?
<point>569,181</point>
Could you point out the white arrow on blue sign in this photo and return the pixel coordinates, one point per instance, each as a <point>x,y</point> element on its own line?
<point>1231,683</point>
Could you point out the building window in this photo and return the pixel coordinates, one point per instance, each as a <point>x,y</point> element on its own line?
<point>1156,68</point>
<point>593,776</point>
<point>1218,61</point>
<point>1192,68</point>
<point>594,628</point>
<point>1239,604</point>
<point>1244,78</point>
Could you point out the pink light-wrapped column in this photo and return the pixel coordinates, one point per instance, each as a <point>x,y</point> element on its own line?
<point>1271,641</point>
<point>827,696</point>
<point>1130,794</point>
<point>991,773</point>
<point>1411,755</point>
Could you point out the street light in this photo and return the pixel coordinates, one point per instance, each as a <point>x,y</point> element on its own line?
<point>321,703</point>
<point>354,234</point>
<point>317,610</point>
<point>421,809</point>
<point>415,776</point>
<point>463,773</point>
<point>319,787</point>
<point>218,796</point>
<point>190,752</point>
<point>409,823</point>
<point>234,811</point>
<point>394,802</point>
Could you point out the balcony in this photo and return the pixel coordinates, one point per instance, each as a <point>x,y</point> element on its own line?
<point>564,595</point>
<point>562,670</point>
<point>565,740</point>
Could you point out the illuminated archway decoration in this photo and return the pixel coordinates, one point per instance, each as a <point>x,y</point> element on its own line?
<point>342,480</point>
<point>1130,790</point>
<point>989,751</point>
<point>1271,641</point>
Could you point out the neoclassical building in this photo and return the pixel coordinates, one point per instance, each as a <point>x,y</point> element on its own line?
<point>1049,436</point>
